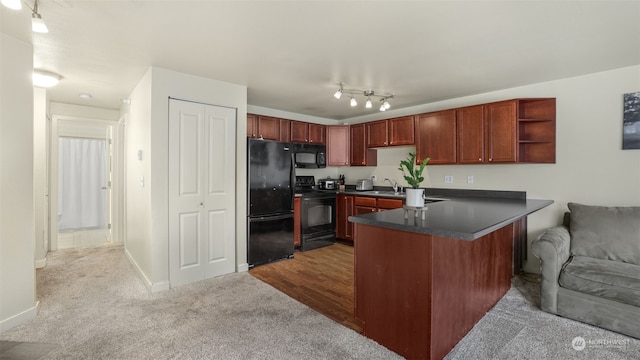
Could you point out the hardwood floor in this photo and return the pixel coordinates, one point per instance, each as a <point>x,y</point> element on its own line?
<point>321,279</point>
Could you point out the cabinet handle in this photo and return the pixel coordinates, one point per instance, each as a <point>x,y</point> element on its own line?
<point>480,159</point>
<point>391,143</point>
<point>385,143</point>
<point>490,159</point>
<point>310,141</point>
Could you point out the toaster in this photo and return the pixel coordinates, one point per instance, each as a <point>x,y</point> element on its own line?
<point>364,184</point>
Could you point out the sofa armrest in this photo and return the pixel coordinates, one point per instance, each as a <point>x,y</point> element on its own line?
<point>552,248</point>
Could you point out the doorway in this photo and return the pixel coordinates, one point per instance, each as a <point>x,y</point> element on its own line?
<point>81,210</point>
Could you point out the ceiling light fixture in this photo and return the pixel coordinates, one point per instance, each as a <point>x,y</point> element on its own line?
<point>12,4</point>
<point>384,105</point>
<point>37,24</point>
<point>45,79</point>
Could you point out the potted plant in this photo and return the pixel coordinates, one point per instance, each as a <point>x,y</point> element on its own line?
<point>413,175</point>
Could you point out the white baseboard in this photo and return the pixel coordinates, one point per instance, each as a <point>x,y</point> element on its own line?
<point>40,263</point>
<point>150,286</point>
<point>20,318</point>
<point>242,267</point>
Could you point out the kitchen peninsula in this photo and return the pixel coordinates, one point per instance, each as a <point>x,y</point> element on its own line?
<point>422,284</point>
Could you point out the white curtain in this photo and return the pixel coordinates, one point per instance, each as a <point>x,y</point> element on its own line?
<point>81,178</point>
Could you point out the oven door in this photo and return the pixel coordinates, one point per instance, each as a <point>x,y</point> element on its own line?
<point>318,221</point>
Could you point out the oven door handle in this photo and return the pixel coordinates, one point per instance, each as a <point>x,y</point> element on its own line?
<point>270,218</point>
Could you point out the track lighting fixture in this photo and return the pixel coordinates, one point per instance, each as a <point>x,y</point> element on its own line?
<point>37,24</point>
<point>384,103</point>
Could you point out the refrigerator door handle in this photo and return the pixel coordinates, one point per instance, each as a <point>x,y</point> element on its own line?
<point>292,175</point>
<point>270,218</point>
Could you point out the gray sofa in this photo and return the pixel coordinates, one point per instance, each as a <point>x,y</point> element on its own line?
<point>591,267</point>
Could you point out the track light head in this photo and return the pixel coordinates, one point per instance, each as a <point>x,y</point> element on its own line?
<point>338,94</point>
<point>353,102</point>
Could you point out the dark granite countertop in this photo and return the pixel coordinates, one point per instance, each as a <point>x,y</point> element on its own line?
<point>459,217</point>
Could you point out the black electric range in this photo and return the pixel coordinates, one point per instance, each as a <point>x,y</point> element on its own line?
<point>317,214</point>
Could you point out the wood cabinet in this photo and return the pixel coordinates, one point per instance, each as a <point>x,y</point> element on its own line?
<point>391,132</point>
<point>376,134</point>
<point>401,131</point>
<point>299,132</point>
<point>263,127</point>
<point>338,145</point>
<point>303,132</point>
<point>360,154</point>
<point>344,209</point>
<point>383,204</point>
<point>470,124</point>
<point>536,129</point>
<point>317,133</point>
<point>500,132</point>
<point>297,223</point>
<point>285,130</point>
<point>252,126</point>
<point>436,137</point>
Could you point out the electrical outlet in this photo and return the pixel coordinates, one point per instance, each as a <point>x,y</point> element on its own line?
<point>470,179</point>
<point>448,179</point>
<point>374,178</point>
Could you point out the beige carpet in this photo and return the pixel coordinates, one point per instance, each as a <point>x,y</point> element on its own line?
<point>94,306</point>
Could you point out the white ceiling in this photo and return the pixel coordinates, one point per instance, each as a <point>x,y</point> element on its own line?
<point>292,54</point>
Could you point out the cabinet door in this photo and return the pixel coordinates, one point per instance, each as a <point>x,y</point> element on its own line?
<point>268,128</point>
<point>436,137</point>
<point>297,230</point>
<point>401,131</point>
<point>299,132</point>
<point>317,133</point>
<point>359,210</point>
<point>388,204</point>
<point>500,132</point>
<point>377,134</point>
<point>470,122</point>
<point>252,126</point>
<point>285,130</point>
<point>357,144</point>
<point>344,229</point>
<point>337,145</point>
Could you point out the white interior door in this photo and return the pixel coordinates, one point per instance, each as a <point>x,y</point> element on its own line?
<point>201,191</point>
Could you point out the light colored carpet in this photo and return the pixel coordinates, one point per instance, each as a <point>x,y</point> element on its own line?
<point>94,306</point>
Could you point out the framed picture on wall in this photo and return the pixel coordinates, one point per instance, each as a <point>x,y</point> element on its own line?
<point>631,121</point>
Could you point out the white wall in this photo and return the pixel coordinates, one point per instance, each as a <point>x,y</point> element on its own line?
<point>40,191</point>
<point>147,130</point>
<point>17,229</point>
<point>590,166</point>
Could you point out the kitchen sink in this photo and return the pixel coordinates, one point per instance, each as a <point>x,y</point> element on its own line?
<point>385,193</point>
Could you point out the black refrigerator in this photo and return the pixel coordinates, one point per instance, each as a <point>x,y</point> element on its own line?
<point>270,183</point>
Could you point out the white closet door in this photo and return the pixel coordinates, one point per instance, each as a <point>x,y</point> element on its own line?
<point>201,191</point>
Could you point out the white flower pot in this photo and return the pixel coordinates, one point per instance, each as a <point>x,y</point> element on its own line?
<point>415,197</point>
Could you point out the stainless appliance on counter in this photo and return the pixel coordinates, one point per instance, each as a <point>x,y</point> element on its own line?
<point>328,184</point>
<point>317,214</point>
<point>270,180</point>
<point>364,185</point>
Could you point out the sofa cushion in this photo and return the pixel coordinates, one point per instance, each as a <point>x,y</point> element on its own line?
<point>613,280</point>
<point>610,233</point>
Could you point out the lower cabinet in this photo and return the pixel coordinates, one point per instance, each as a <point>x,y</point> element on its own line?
<point>348,205</point>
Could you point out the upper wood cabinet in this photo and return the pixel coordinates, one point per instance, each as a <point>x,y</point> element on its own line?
<point>268,128</point>
<point>338,145</point>
<point>317,133</point>
<point>391,132</point>
<point>299,132</point>
<point>500,132</point>
<point>470,123</point>
<point>401,131</point>
<point>252,126</point>
<point>285,130</point>
<point>263,127</point>
<point>436,137</point>
<point>536,129</point>
<point>361,155</point>
<point>377,135</point>
<point>303,132</point>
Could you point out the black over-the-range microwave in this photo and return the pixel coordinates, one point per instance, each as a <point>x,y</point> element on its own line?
<point>310,156</point>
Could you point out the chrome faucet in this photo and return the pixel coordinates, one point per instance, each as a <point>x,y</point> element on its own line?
<point>393,183</point>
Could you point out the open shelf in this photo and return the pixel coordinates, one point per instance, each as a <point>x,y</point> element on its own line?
<point>537,130</point>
